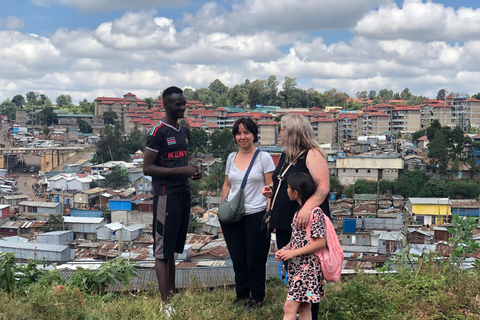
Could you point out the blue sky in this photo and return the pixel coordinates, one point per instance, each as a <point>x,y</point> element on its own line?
<point>91,48</point>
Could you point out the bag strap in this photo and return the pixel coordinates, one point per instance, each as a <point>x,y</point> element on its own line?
<point>280,179</point>
<point>244,182</point>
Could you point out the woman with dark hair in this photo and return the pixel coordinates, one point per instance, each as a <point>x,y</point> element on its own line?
<point>247,246</point>
<point>301,153</point>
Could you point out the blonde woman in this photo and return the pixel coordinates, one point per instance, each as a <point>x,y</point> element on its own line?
<point>302,150</point>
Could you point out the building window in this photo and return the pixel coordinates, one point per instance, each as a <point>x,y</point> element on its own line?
<point>369,171</point>
<point>343,170</point>
<point>356,170</point>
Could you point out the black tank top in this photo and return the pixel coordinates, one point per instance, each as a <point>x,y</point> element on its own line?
<point>284,209</point>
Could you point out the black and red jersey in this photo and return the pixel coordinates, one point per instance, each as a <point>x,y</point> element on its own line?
<point>171,146</point>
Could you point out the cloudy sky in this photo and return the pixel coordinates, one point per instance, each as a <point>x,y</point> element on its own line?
<point>91,48</point>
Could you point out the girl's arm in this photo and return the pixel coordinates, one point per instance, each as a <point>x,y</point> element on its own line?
<point>286,254</point>
<point>318,168</point>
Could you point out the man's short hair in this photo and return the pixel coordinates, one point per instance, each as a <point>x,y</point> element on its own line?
<point>171,90</point>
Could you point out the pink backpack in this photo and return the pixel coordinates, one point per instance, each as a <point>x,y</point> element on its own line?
<point>331,256</point>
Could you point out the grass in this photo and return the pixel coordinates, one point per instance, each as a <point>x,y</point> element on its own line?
<point>430,292</point>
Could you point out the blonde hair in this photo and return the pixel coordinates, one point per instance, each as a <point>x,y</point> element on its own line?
<point>299,136</point>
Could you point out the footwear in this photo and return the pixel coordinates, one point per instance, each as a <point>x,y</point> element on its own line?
<point>239,302</point>
<point>167,309</point>
<point>253,305</point>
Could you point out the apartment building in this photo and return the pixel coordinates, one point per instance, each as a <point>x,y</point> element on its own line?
<point>118,105</point>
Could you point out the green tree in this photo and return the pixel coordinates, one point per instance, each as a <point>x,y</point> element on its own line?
<point>361,95</point>
<point>64,101</point>
<point>54,223</point>
<point>256,94</point>
<point>198,141</point>
<point>237,96</point>
<point>9,109</point>
<point>461,189</point>
<point>205,96</point>
<point>441,94</point>
<point>222,143</point>
<point>372,95</point>
<point>46,132</point>
<point>109,117</point>
<point>432,129</point>
<point>84,126</point>
<point>117,178</point>
<point>86,107</point>
<point>410,183</point>
<point>49,116</point>
<point>417,134</point>
<point>434,187</point>
<point>436,150</point>
<point>134,141</point>
<point>32,96</point>
<point>19,101</point>
<point>109,145</point>
<point>149,101</point>
<point>476,96</point>
<point>405,95</point>
<point>285,96</point>
<point>271,90</point>
<point>189,94</point>
<point>218,87</point>
<point>335,186</point>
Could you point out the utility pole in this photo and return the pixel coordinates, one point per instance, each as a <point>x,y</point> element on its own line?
<point>120,249</point>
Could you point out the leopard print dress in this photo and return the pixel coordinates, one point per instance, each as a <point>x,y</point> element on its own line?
<point>305,277</point>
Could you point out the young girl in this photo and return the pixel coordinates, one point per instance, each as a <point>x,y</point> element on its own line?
<point>305,277</point>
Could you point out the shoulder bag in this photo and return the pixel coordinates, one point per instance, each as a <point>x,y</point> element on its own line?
<point>268,214</point>
<point>233,210</point>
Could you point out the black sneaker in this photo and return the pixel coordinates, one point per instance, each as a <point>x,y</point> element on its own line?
<point>253,305</point>
<point>239,302</point>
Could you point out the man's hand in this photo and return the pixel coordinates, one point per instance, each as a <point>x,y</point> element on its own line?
<point>193,172</point>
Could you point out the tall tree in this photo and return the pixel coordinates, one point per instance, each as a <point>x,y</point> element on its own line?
<point>436,151</point>
<point>117,178</point>
<point>198,141</point>
<point>406,95</point>
<point>441,94</point>
<point>84,126</point>
<point>285,95</point>
<point>271,90</point>
<point>256,94</point>
<point>109,145</point>
<point>64,100</point>
<point>9,109</point>
<point>48,116</point>
<point>222,143</point>
<point>19,101</point>
<point>109,117</point>
<point>361,95</point>
<point>32,96</point>
<point>189,94</point>
<point>372,95</point>
<point>218,87</point>
<point>149,101</point>
<point>236,96</point>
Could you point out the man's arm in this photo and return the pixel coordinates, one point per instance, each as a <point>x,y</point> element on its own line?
<point>150,169</point>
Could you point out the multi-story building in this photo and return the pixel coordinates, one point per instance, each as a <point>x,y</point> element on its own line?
<point>326,130</point>
<point>373,123</point>
<point>268,134</point>
<point>118,105</point>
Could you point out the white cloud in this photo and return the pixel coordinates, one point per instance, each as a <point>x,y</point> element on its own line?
<point>11,23</point>
<point>106,5</point>
<point>280,15</point>
<point>417,20</point>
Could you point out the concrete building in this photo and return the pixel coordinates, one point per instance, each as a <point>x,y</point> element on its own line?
<point>430,211</point>
<point>368,168</point>
<point>38,251</point>
<point>83,228</point>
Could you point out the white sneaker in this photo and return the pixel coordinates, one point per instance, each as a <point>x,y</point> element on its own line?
<point>168,309</point>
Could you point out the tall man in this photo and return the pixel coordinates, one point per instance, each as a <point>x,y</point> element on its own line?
<point>166,160</point>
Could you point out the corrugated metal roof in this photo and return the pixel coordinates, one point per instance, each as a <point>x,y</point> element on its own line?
<point>82,220</point>
<point>40,204</point>
<point>33,246</point>
<point>464,203</point>
<point>209,277</point>
<point>23,224</point>
<point>430,201</point>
